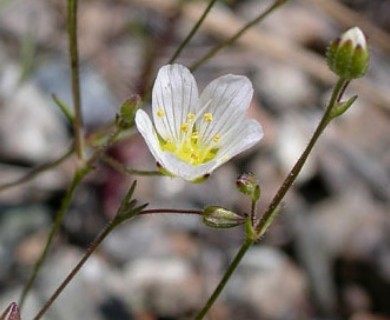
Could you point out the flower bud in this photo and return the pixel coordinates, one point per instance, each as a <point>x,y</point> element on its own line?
<point>125,118</point>
<point>11,313</point>
<point>218,217</point>
<point>247,184</point>
<point>348,56</point>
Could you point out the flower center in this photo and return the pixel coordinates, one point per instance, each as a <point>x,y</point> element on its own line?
<point>190,146</point>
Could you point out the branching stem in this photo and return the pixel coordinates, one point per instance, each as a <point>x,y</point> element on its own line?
<point>291,177</point>
<point>271,212</point>
<point>231,40</point>
<point>79,175</point>
<point>192,32</point>
<point>36,171</point>
<point>116,221</point>
<point>232,267</point>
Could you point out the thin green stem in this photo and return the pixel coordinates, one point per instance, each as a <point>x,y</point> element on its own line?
<point>232,267</point>
<point>269,213</point>
<point>74,65</point>
<point>115,222</point>
<point>64,108</point>
<point>122,169</point>
<point>237,35</point>
<point>177,211</point>
<point>253,211</point>
<point>79,175</point>
<point>36,171</point>
<point>99,239</point>
<point>102,148</point>
<point>192,32</point>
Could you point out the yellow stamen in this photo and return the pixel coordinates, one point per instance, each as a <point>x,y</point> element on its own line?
<point>194,157</point>
<point>208,117</point>
<point>184,127</point>
<point>168,146</point>
<point>190,117</point>
<point>195,135</point>
<point>189,147</point>
<point>160,112</point>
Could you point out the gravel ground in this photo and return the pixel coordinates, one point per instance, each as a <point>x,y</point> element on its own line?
<point>327,256</point>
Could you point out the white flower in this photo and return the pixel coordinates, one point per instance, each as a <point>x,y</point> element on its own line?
<point>190,135</point>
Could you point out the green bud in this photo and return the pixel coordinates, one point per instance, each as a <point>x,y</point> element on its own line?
<point>125,118</point>
<point>247,184</point>
<point>348,56</point>
<point>218,217</point>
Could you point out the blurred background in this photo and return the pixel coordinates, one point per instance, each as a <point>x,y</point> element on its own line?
<point>327,256</point>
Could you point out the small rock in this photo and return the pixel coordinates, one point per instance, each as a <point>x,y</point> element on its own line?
<point>284,88</point>
<point>98,104</point>
<point>166,287</point>
<point>271,284</point>
<point>33,19</point>
<point>29,128</point>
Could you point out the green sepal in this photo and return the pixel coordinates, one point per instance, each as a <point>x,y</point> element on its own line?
<point>164,171</point>
<point>250,232</point>
<point>256,194</point>
<point>201,179</point>
<point>341,107</point>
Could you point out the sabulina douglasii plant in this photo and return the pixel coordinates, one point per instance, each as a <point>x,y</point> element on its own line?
<point>190,135</point>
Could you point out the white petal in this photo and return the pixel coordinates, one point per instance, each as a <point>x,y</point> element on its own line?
<point>187,171</point>
<point>145,127</point>
<point>248,134</point>
<point>174,91</point>
<point>230,96</point>
<point>356,36</point>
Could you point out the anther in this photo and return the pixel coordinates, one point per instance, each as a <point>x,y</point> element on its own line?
<point>190,117</point>
<point>195,135</point>
<point>216,138</point>
<point>160,112</point>
<point>208,117</point>
<point>184,127</point>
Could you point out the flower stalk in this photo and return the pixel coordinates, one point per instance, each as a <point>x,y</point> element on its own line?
<point>126,211</point>
<point>232,267</point>
<point>75,81</point>
<point>254,232</point>
<point>236,36</point>
<point>78,177</point>
<point>293,174</point>
<point>192,32</point>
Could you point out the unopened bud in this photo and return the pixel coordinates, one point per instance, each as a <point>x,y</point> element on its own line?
<point>218,217</point>
<point>247,184</point>
<point>125,118</point>
<point>348,56</point>
<point>11,313</point>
